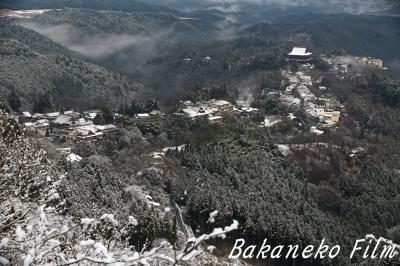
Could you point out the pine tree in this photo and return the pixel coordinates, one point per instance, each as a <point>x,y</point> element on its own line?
<point>98,119</point>
<point>108,115</point>
<point>44,104</point>
<point>136,108</point>
<point>14,101</point>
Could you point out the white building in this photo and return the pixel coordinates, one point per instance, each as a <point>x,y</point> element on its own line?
<point>53,115</point>
<point>73,158</point>
<point>300,55</point>
<point>142,116</point>
<point>195,112</point>
<point>220,106</point>
<point>315,131</point>
<point>215,120</point>
<point>271,120</point>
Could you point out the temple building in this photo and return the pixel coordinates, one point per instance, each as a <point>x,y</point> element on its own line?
<point>299,55</point>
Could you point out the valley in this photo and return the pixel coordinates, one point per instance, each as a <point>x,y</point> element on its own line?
<point>167,132</point>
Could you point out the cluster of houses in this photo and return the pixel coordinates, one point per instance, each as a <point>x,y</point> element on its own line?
<point>370,61</point>
<point>342,64</point>
<point>213,110</point>
<point>323,110</point>
<point>339,64</point>
<point>67,125</point>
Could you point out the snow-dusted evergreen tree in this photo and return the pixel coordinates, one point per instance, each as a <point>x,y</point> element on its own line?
<point>34,232</point>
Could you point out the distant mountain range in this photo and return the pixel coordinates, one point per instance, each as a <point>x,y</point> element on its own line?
<point>144,40</point>
<point>116,5</point>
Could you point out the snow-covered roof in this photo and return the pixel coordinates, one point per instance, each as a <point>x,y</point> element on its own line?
<point>290,100</point>
<point>145,115</point>
<point>74,158</point>
<point>284,149</point>
<point>195,111</point>
<point>316,131</point>
<point>63,119</point>
<point>86,130</point>
<point>213,118</point>
<point>42,121</point>
<point>269,121</point>
<point>28,124</point>
<point>36,115</point>
<point>27,114</point>
<point>188,103</point>
<point>92,115</point>
<point>41,125</point>
<point>70,112</point>
<point>328,122</point>
<point>357,150</point>
<point>156,112</point>
<point>219,102</point>
<point>93,111</point>
<point>105,127</point>
<point>246,109</point>
<point>82,122</point>
<point>53,115</point>
<point>299,51</point>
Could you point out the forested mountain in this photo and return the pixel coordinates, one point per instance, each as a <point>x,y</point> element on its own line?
<point>376,36</point>
<point>144,44</point>
<point>230,63</point>
<point>33,39</point>
<point>200,112</point>
<point>93,22</point>
<point>122,41</point>
<point>69,82</point>
<point>120,5</point>
<point>252,47</point>
<point>244,176</point>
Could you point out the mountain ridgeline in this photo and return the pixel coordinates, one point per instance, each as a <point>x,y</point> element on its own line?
<point>118,5</point>
<point>156,42</point>
<point>68,82</point>
<point>143,44</point>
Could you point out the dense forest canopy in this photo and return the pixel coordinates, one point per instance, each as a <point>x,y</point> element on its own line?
<point>241,172</point>
<point>65,79</point>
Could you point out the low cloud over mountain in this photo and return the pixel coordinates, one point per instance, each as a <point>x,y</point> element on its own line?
<point>347,6</point>
<point>96,45</point>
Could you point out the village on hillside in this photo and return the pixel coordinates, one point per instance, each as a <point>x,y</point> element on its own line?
<point>325,110</point>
